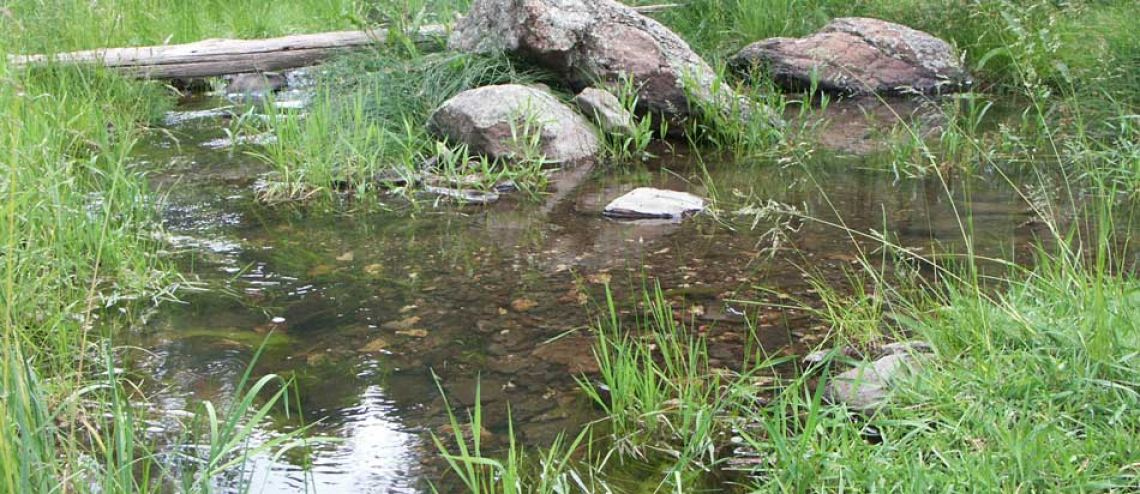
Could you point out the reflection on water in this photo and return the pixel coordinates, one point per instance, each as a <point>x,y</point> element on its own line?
<point>363,310</point>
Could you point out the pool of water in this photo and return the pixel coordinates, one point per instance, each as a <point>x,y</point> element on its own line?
<point>366,311</point>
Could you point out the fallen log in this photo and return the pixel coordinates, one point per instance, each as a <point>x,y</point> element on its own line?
<point>218,57</point>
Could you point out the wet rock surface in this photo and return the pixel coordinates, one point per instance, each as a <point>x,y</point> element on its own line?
<point>858,55</point>
<point>605,110</point>
<point>464,195</point>
<point>650,203</point>
<point>592,41</point>
<point>492,120</point>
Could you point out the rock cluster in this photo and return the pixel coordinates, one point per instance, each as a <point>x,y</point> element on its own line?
<point>592,42</point>
<point>598,45</point>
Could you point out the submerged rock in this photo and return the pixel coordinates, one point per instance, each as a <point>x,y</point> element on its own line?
<point>650,203</point>
<point>174,118</point>
<point>471,196</point>
<point>859,55</point>
<point>395,178</point>
<point>256,83</point>
<point>572,352</point>
<point>605,110</point>
<point>589,42</point>
<point>491,121</point>
<point>262,139</point>
<point>866,388</point>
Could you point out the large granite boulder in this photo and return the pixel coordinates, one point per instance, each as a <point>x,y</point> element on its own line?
<point>596,42</point>
<point>495,121</point>
<point>857,55</point>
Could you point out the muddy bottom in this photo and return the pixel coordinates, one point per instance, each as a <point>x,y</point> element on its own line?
<point>366,311</point>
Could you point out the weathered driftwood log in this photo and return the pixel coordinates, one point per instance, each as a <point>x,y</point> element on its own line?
<point>217,57</point>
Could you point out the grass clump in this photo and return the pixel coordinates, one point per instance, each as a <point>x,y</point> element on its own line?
<point>664,404</point>
<point>554,470</point>
<point>1033,388</point>
<point>372,117</point>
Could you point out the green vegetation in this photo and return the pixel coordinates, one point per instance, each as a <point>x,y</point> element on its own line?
<point>1032,385</point>
<point>370,116</point>
<point>554,471</point>
<point>1006,42</point>
<point>79,256</point>
<point>80,261</point>
<point>49,26</point>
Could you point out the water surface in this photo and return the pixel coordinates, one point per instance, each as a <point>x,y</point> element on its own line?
<point>367,309</point>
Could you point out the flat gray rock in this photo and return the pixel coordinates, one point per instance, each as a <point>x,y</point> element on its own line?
<point>650,203</point>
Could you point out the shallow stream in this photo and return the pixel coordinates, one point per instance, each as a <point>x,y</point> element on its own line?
<point>366,308</point>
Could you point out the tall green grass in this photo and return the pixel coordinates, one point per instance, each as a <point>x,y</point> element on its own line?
<point>79,260</point>
<point>554,469</point>
<point>1032,387</point>
<point>370,116</point>
<point>1006,42</point>
<point>49,26</point>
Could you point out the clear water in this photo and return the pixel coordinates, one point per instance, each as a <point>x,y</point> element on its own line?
<point>366,308</point>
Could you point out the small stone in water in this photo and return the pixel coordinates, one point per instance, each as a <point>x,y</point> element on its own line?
<point>523,304</point>
<point>402,324</point>
<point>471,196</point>
<point>650,203</point>
<point>414,333</point>
<point>375,346</point>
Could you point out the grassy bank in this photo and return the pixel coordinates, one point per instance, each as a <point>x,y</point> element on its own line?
<point>80,262</point>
